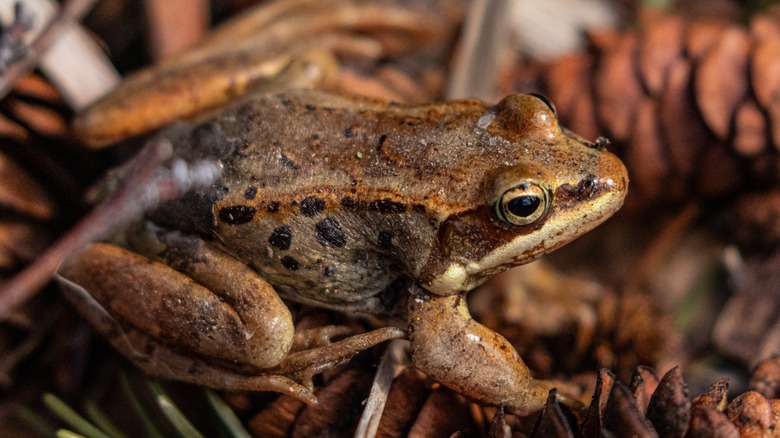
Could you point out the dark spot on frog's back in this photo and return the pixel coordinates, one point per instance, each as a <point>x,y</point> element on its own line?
<point>272,207</point>
<point>237,214</point>
<point>329,271</point>
<point>312,206</point>
<point>387,206</point>
<point>281,237</point>
<point>250,193</point>
<point>385,239</point>
<point>348,203</point>
<point>286,161</point>
<point>329,233</point>
<point>290,263</point>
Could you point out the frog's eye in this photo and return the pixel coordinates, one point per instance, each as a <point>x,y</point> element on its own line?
<point>545,101</point>
<point>523,204</point>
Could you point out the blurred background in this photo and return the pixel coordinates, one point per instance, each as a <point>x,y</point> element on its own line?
<point>683,284</point>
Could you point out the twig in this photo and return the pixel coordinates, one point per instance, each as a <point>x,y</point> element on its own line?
<point>483,39</point>
<point>12,45</point>
<point>73,10</point>
<point>375,405</point>
<point>147,184</point>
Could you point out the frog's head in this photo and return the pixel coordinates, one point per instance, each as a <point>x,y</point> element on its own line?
<point>548,187</point>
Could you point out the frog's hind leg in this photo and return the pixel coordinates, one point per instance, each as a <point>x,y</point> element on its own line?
<point>189,296</point>
<point>160,360</point>
<point>208,318</point>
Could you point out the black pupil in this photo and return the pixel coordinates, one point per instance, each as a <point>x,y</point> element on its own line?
<point>523,206</point>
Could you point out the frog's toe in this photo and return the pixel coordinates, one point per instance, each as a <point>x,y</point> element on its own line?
<point>319,336</point>
<point>316,360</point>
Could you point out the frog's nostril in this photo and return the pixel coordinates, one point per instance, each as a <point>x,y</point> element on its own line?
<point>587,186</point>
<point>601,143</point>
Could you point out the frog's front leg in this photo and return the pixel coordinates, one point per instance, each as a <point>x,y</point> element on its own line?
<point>191,312</point>
<point>448,345</point>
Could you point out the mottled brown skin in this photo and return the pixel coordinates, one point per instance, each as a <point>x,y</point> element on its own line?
<point>361,205</point>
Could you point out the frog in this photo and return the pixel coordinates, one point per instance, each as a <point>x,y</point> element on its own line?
<point>353,204</point>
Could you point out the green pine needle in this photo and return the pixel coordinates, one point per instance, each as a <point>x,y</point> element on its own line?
<point>226,415</point>
<point>139,407</point>
<point>65,433</point>
<point>177,419</point>
<point>71,417</point>
<point>101,420</point>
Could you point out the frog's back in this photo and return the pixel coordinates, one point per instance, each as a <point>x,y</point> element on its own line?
<point>333,199</point>
<point>298,140</point>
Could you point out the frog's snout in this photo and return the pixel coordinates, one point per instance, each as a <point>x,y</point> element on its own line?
<point>607,184</point>
<point>613,177</point>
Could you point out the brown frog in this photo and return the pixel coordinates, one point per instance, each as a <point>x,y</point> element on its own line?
<point>352,204</point>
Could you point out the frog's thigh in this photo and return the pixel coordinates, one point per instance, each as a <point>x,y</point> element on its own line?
<point>219,310</point>
<point>158,359</point>
<point>448,345</point>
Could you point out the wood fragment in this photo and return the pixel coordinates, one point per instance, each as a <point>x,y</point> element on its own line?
<point>720,80</point>
<point>407,396</point>
<point>66,54</point>
<point>660,46</point>
<point>377,397</point>
<point>751,413</point>
<point>750,316</point>
<point>716,396</point>
<point>765,378</point>
<point>645,155</point>
<point>593,423</point>
<point>617,88</point>
<point>750,129</point>
<point>680,122</point>
<point>644,382</point>
<point>622,414</point>
<point>553,422</point>
<point>669,409</point>
<point>765,72</point>
<point>708,422</point>
<point>175,25</point>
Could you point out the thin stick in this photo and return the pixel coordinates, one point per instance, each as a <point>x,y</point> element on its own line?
<point>375,405</point>
<point>147,185</point>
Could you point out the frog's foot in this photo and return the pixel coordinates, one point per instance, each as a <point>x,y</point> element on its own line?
<point>319,336</point>
<point>448,345</point>
<point>307,363</point>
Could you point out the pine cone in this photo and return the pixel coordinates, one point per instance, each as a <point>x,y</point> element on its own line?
<point>652,407</point>
<point>692,105</point>
<point>647,406</point>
